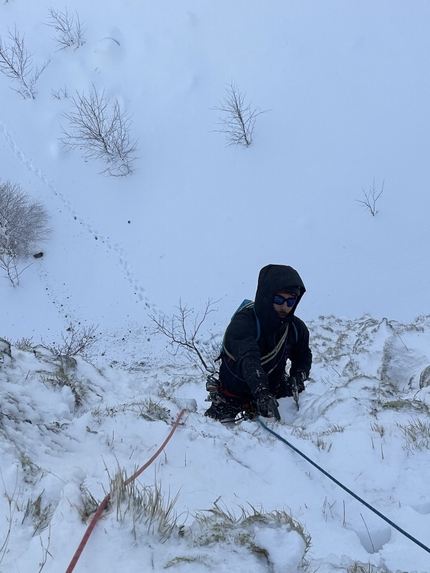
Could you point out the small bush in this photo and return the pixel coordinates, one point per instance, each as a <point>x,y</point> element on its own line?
<point>68,27</point>
<point>25,344</point>
<point>23,224</point>
<point>102,130</point>
<point>78,340</point>
<point>371,197</point>
<point>238,118</point>
<point>183,332</point>
<point>16,63</point>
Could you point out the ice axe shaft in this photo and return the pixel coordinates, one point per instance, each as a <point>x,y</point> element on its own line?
<point>295,391</point>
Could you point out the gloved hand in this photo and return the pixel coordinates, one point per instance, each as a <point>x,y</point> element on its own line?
<point>287,385</point>
<point>267,405</point>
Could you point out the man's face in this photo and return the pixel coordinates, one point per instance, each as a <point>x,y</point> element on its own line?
<point>283,310</point>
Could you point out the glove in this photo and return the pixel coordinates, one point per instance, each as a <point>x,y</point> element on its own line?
<point>267,405</point>
<point>287,386</point>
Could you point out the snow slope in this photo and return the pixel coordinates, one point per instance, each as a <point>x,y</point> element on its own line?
<point>345,91</point>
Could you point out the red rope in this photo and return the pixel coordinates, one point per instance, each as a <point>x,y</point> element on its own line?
<point>104,503</point>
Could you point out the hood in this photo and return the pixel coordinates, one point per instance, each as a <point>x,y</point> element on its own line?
<point>271,279</point>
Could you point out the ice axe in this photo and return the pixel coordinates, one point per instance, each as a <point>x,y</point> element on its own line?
<point>295,392</point>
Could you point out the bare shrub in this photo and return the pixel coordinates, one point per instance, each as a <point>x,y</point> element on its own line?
<point>238,119</point>
<point>23,223</point>
<point>102,130</point>
<point>371,197</point>
<point>16,63</point>
<point>69,29</point>
<point>25,344</point>
<point>78,340</point>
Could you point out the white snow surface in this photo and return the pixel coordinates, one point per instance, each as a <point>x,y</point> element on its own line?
<point>344,87</point>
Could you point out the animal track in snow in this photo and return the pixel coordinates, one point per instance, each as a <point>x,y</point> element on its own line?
<point>122,255</point>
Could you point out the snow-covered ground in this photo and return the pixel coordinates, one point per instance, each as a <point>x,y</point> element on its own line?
<point>345,90</point>
<point>69,428</point>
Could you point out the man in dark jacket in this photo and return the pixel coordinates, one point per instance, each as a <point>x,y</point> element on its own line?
<point>259,340</point>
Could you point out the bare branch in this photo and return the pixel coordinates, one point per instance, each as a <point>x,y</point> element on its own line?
<point>184,336</point>
<point>371,197</point>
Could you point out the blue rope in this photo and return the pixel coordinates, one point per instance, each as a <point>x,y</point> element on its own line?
<point>402,531</point>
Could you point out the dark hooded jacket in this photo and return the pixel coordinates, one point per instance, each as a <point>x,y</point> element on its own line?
<point>249,365</point>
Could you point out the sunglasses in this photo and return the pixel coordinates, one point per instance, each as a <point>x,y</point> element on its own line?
<point>278,299</point>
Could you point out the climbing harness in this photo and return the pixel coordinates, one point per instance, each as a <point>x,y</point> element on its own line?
<point>379,514</point>
<point>104,503</point>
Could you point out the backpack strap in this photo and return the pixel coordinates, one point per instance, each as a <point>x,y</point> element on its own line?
<point>244,304</point>
<point>296,334</point>
<point>274,352</point>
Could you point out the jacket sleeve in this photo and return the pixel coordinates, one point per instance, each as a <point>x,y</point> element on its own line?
<point>240,343</point>
<point>301,355</point>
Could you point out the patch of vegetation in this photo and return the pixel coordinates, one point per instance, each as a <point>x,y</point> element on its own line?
<point>358,567</point>
<point>30,469</point>
<point>61,378</point>
<point>89,504</point>
<point>147,409</point>
<point>145,505</point>
<point>317,438</point>
<point>25,344</point>
<point>404,404</point>
<point>220,525</point>
<point>78,340</point>
<point>416,434</point>
<point>40,515</point>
